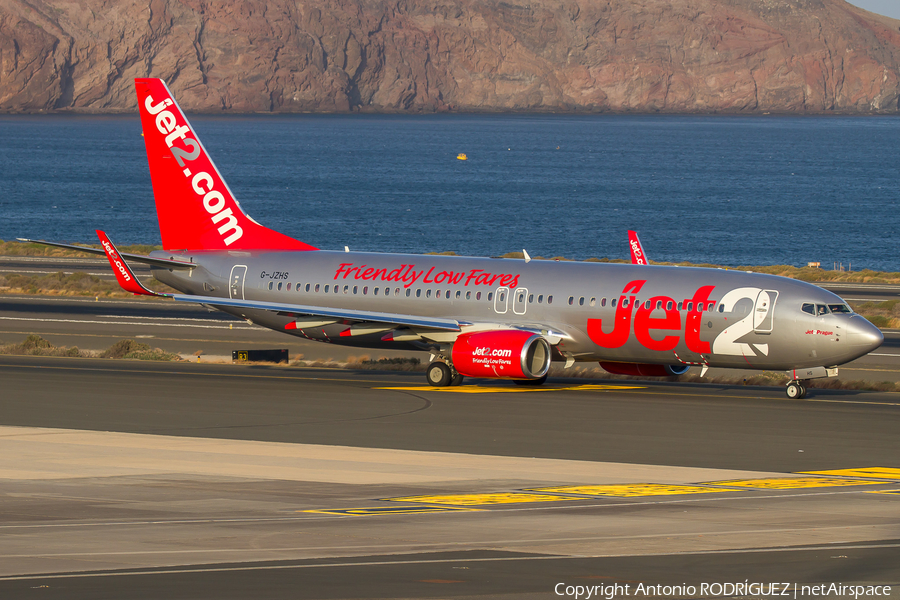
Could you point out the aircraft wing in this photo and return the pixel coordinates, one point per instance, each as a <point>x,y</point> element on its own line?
<point>156,262</point>
<point>130,283</point>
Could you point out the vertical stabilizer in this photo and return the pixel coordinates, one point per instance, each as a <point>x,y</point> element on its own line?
<point>196,210</point>
<point>637,251</point>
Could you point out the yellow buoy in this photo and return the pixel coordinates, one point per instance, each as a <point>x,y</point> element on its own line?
<point>462,156</point>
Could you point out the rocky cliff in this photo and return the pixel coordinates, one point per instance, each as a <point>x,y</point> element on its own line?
<point>810,56</point>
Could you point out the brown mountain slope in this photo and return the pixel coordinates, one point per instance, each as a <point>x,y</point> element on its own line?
<point>557,55</point>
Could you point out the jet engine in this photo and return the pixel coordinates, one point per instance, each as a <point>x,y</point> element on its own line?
<point>617,368</point>
<point>504,354</point>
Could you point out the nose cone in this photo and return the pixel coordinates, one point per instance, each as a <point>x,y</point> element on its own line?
<point>862,336</point>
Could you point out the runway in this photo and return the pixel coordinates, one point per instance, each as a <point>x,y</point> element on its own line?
<point>183,480</point>
<point>186,480</point>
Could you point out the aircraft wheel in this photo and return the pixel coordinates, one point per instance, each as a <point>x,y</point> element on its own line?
<point>457,379</point>
<point>531,382</point>
<point>794,390</point>
<point>802,391</point>
<point>438,374</point>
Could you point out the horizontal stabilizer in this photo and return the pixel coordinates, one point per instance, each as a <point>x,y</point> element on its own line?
<point>165,263</point>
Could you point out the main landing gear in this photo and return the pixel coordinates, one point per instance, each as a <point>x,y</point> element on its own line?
<point>796,390</point>
<point>441,374</point>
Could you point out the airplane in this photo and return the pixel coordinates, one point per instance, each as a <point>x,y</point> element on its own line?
<point>477,317</point>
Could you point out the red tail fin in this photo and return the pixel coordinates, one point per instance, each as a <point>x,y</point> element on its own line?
<point>637,251</point>
<point>196,210</point>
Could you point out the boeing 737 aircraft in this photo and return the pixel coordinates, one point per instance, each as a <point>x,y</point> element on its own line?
<point>478,317</point>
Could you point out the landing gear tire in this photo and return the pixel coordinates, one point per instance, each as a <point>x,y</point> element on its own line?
<point>457,379</point>
<point>439,374</point>
<point>796,390</point>
<point>531,382</point>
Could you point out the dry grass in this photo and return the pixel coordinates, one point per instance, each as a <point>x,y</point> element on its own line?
<point>24,249</point>
<point>35,345</point>
<point>885,315</point>
<point>72,284</point>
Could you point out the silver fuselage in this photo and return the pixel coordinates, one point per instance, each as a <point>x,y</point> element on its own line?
<point>591,311</point>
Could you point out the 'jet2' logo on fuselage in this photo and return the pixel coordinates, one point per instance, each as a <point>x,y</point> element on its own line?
<point>644,323</point>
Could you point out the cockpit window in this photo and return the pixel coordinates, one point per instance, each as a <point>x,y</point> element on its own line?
<point>821,309</point>
<point>809,308</point>
<point>840,308</point>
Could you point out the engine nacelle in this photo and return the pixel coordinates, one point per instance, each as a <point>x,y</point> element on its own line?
<point>504,354</point>
<point>637,369</point>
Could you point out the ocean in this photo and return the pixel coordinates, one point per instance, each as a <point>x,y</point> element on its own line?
<point>727,190</point>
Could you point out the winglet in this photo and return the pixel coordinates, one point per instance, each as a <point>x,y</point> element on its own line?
<point>638,257</point>
<point>122,271</point>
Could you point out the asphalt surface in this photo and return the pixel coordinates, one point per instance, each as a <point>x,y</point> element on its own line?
<point>184,513</point>
<point>731,427</point>
<point>184,480</point>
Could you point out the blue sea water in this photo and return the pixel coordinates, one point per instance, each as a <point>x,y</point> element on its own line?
<point>718,189</point>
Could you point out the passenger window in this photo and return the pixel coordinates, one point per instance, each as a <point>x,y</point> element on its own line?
<point>346,288</point>
<point>593,302</point>
<point>709,307</point>
<point>355,289</point>
<point>478,296</point>
<point>437,294</point>
<point>530,298</point>
<point>297,287</point>
<point>336,290</point>
<point>679,306</point>
<point>602,301</point>
<point>549,299</point>
<point>490,296</point>
<point>613,303</point>
<point>326,289</point>
<point>669,305</point>
<point>690,306</point>
<point>448,295</point>
<point>658,304</point>
<point>397,292</point>
<point>408,292</point>
<point>307,287</point>
<point>375,292</point>
<point>722,308</point>
<point>821,309</point>
<point>317,288</point>
<point>468,295</point>
<point>571,300</point>
<point>271,285</point>
<point>458,294</point>
<point>581,301</point>
<point>365,290</point>
<point>387,291</point>
<point>625,302</point>
<point>418,292</point>
<point>428,293</point>
<point>289,286</point>
<point>647,305</point>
